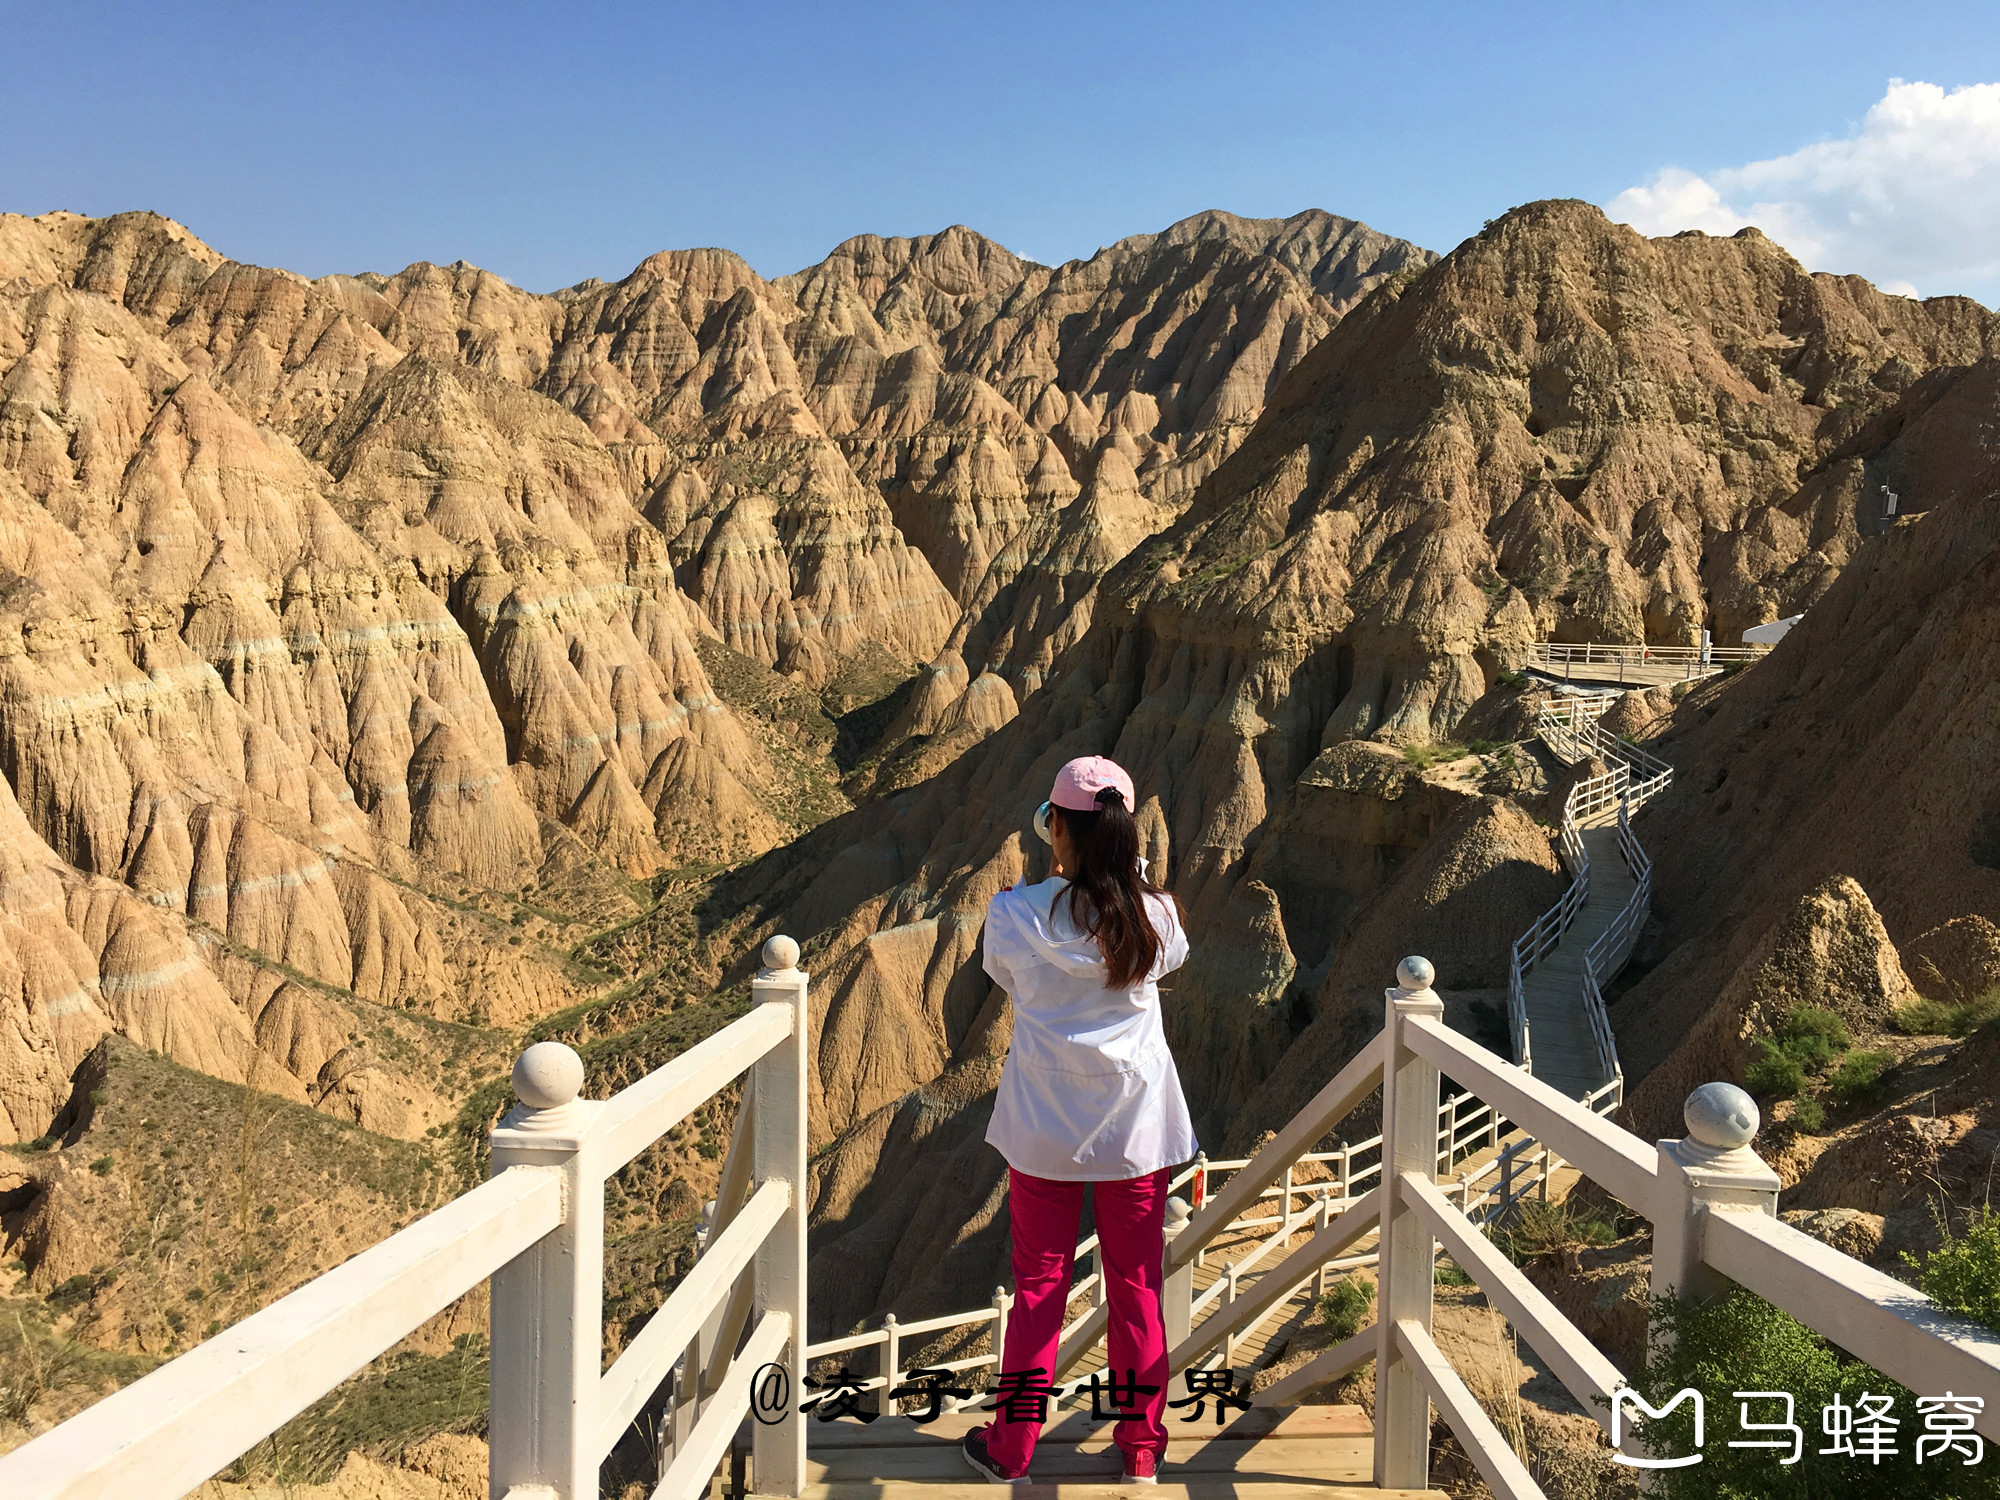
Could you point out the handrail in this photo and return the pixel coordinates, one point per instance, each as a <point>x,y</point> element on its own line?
<point>1614,1157</point>
<point>1570,728</point>
<point>535,1228</point>
<point>1864,1311</point>
<point>168,1431</point>
<point>1713,1205</point>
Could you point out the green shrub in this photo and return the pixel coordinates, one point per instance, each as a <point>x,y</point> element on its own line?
<point>1814,1036</point>
<point>1346,1305</point>
<point>1551,1233</point>
<point>1774,1072</point>
<point>1423,757</point>
<point>1739,1342</point>
<point>1859,1077</point>
<point>1947,1018</point>
<point>1448,1273</point>
<point>1963,1273</point>
<point>1807,1041</point>
<point>1809,1115</point>
<point>1513,679</point>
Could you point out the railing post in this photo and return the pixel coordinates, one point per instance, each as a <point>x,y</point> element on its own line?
<point>1177,1297</point>
<point>1229,1301</point>
<point>1346,1172</point>
<point>548,1303</point>
<point>892,1364</point>
<point>1713,1167</point>
<point>778,1125</point>
<point>1322,1219</point>
<point>1406,1269</point>
<point>1003,1305</point>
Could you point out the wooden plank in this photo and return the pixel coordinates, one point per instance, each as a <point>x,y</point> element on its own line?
<point>1875,1317</point>
<point>1602,1151</point>
<point>636,1117</point>
<point>649,1358</point>
<point>692,1468</point>
<point>1573,1358</point>
<point>1330,1364</point>
<point>1254,1302</point>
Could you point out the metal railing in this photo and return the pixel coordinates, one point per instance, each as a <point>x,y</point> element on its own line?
<point>536,1228</point>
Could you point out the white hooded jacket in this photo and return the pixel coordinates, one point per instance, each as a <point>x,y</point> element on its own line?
<point>1089,1092</point>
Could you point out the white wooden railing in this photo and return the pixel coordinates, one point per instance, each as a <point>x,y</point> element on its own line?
<point>1712,1203</point>
<point>1512,1166</point>
<point>536,1228</point>
<point>1695,661</point>
<point>1570,729</point>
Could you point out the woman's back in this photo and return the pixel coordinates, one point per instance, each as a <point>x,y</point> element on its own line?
<point>1064,1016</point>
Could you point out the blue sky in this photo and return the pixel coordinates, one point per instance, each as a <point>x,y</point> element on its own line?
<point>554,143</point>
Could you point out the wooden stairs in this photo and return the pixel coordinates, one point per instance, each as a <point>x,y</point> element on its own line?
<point>1264,1454</point>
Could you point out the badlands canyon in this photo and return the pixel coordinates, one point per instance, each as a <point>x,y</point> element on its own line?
<point>394,668</point>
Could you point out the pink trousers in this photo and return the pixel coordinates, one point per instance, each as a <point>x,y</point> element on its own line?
<point>1045,1216</point>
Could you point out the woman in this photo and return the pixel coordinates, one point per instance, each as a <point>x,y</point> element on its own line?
<point>1089,1096</point>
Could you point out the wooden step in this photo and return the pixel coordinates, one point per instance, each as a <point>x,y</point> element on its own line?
<point>1263,1454</point>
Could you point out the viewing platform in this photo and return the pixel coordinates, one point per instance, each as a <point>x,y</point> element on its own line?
<point>1619,665</point>
<point>1249,1248</point>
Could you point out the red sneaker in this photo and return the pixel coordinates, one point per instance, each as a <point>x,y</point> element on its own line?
<point>973,1446</point>
<point>1142,1468</point>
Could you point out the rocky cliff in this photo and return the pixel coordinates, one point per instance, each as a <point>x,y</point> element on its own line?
<point>332,612</point>
<point>381,644</point>
<point>1560,430</point>
<point>1856,758</point>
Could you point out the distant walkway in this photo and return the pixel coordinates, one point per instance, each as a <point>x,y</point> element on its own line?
<point>1614,664</point>
<point>1555,998</point>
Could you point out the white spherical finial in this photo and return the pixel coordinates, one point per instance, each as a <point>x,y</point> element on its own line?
<point>1415,973</point>
<point>1178,1212</point>
<point>781,952</point>
<point>1721,1115</point>
<point>547,1076</point>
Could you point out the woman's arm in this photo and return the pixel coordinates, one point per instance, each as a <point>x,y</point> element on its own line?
<point>995,941</point>
<point>1166,915</point>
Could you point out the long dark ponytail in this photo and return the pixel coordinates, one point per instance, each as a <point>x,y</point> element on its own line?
<point>1107,894</point>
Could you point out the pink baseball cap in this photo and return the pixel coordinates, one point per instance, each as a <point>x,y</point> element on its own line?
<point>1079,782</point>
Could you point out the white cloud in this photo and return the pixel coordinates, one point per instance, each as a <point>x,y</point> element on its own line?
<point>1910,199</point>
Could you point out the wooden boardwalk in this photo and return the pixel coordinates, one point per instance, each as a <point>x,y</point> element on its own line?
<point>1565,1056</point>
<point>1628,674</point>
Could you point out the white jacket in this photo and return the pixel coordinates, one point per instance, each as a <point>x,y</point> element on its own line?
<point>1089,1092</point>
